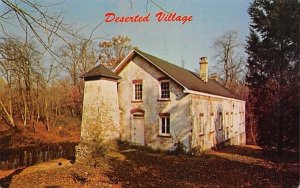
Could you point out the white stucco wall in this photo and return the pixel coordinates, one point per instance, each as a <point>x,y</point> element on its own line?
<point>178,106</point>
<point>100,109</point>
<point>184,110</point>
<point>232,123</point>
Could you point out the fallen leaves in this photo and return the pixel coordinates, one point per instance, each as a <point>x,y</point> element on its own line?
<point>231,167</point>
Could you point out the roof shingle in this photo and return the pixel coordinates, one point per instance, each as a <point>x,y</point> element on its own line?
<point>101,71</point>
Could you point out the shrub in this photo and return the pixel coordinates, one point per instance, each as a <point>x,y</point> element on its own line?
<point>178,149</point>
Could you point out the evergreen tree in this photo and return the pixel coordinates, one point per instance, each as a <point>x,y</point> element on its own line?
<point>273,62</point>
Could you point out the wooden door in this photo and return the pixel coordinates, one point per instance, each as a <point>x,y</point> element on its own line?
<point>138,134</point>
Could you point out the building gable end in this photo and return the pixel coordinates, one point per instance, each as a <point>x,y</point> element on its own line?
<point>131,55</point>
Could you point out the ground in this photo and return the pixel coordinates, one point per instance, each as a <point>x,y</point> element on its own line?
<point>246,166</point>
<point>65,130</point>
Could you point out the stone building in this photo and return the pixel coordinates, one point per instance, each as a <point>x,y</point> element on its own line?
<point>151,102</point>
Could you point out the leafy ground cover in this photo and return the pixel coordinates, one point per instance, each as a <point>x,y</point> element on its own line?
<point>246,166</point>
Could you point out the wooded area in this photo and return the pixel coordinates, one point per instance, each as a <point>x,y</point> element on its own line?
<point>273,72</point>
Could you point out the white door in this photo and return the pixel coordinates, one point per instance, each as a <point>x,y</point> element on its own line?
<point>138,136</point>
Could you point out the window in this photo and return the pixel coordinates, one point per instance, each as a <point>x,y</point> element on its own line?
<point>231,119</point>
<point>137,90</point>
<point>212,123</point>
<point>234,119</point>
<point>201,124</point>
<point>226,119</point>
<point>241,117</point>
<point>164,124</point>
<point>165,89</point>
<point>220,120</point>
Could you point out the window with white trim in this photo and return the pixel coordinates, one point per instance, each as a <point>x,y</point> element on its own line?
<point>138,91</point>
<point>201,124</point>
<point>165,126</point>
<point>165,89</point>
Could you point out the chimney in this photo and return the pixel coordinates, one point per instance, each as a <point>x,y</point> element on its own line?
<point>203,69</point>
<point>215,77</point>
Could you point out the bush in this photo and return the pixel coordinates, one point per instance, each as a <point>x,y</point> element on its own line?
<point>102,148</point>
<point>178,149</point>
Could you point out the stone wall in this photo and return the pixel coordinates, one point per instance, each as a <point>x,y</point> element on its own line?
<point>100,117</point>
<point>178,107</point>
<point>224,121</point>
<point>184,110</point>
<point>11,158</point>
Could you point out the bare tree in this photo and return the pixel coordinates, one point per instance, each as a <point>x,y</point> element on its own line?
<point>23,71</point>
<point>76,59</point>
<point>35,20</point>
<point>230,57</point>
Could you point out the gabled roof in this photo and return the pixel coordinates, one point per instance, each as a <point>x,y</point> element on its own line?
<point>100,71</point>
<point>187,79</point>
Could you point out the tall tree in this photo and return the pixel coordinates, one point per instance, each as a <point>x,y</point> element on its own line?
<point>230,58</point>
<point>273,64</point>
<point>114,50</point>
<point>23,72</point>
<point>76,59</point>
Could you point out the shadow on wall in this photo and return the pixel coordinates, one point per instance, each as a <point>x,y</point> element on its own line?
<point>180,121</point>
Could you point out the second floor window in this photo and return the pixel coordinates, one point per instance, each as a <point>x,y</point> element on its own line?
<point>165,89</point>
<point>138,91</point>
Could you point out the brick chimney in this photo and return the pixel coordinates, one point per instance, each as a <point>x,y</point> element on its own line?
<point>203,69</point>
<point>215,77</point>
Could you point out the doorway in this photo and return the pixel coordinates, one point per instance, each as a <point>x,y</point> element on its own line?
<point>138,126</point>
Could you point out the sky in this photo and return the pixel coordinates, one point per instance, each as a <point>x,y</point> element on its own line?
<point>172,41</point>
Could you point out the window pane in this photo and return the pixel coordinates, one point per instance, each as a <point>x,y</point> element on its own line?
<point>168,128</point>
<point>165,125</point>
<point>163,129</point>
<point>165,89</point>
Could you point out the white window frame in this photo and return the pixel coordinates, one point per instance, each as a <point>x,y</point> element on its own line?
<point>134,91</point>
<point>166,117</point>
<point>160,90</point>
